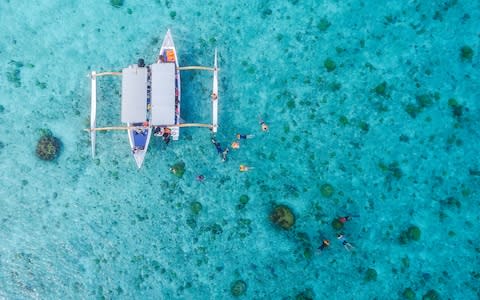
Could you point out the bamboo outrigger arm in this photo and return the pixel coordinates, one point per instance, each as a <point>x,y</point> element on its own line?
<point>107,74</point>
<point>188,68</point>
<point>162,126</point>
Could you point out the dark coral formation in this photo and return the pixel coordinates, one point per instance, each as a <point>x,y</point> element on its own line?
<point>466,53</point>
<point>329,64</point>
<point>283,216</point>
<point>370,275</point>
<point>238,288</point>
<point>116,3</point>
<point>413,233</point>
<point>327,190</point>
<point>178,169</point>
<point>48,146</point>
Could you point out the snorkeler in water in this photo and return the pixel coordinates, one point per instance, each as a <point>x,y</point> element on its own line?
<point>217,145</point>
<point>325,244</point>
<point>346,218</point>
<point>244,136</point>
<point>263,124</point>
<point>345,244</point>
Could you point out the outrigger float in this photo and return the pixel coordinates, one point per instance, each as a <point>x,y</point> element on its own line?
<point>151,100</point>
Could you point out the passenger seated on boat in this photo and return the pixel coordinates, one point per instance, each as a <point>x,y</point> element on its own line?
<point>214,96</point>
<point>170,55</point>
<point>139,130</point>
<point>161,58</point>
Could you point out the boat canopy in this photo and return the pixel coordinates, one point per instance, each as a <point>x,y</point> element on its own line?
<point>163,93</point>
<point>134,95</point>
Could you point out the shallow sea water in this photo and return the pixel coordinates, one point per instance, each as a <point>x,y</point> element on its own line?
<point>402,156</point>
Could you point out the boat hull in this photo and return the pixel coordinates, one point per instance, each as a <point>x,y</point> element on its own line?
<point>168,54</point>
<point>139,138</point>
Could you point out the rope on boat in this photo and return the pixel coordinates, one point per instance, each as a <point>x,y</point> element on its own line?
<point>133,127</point>
<point>196,68</point>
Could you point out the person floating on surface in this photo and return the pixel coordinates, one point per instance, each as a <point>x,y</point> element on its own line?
<point>325,244</point>
<point>345,244</point>
<point>235,145</point>
<point>245,168</point>
<point>224,154</point>
<point>200,178</point>
<point>344,219</point>
<point>217,145</point>
<point>263,124</point>
<point>244,136</point>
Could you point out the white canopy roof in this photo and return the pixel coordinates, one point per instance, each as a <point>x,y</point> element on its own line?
<point>134,95</point>
<point>163,94</point>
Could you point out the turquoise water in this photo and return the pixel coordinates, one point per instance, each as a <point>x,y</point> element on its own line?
<point>380,127</point>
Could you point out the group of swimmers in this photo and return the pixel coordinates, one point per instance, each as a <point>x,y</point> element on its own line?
<point>340,237</point>
<point>236,144</point>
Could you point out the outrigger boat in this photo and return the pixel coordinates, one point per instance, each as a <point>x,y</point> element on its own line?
<point>151,98</point>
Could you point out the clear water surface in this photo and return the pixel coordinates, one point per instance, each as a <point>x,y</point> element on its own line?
<point>380,101</point>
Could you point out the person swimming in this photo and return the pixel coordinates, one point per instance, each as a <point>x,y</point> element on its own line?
<point>345,243</point>
<point>263,124</point>
<point>245,168</point>
<point>244,136</point>
<point>224,154</point>
<point>325,244</point>
<point>200,178</point>
<point>344,219</point>
<point>217,146</point>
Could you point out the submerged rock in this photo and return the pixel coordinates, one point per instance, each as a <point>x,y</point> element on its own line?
<point>283,216</point>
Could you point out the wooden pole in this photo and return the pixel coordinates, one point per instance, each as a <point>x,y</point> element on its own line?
<point>196,68</point>
<point>133,127</point>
